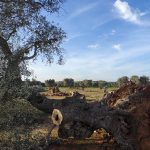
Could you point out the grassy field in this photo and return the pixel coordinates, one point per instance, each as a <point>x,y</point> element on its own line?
<point>91,94</point>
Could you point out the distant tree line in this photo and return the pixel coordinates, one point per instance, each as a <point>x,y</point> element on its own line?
<point>69,82</point>
<point>143,80</point>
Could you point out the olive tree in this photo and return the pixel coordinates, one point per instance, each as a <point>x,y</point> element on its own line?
<point>68,82</point>
<point>144,80</point>
<point>123,80</point>
<point>135,79</point>
<point>50,82</point>
<point>26,33</point>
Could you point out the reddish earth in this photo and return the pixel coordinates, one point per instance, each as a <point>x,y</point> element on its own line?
<point>136,99</point>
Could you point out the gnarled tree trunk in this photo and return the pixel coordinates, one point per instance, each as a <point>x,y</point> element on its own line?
<point>79,119</point>
<point>11,81</point>
<point>126,115</point>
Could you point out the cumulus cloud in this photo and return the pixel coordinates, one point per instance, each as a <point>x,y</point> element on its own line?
<point>117,47</point>
<point>127,13</point>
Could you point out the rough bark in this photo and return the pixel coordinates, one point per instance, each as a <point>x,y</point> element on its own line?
<point>137,99</point>
<point>79,119</point>
<point>11,81</point>
<point>47,105</point>
<point>5,48</point>
<point>125,114</point>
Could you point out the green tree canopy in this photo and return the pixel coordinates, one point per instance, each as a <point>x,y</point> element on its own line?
<point>50,82</point>
<point>135,79</point>
<point>144,80</point>
<point>123,80</point>
<point>87,83</point>
<point>25,34</point>
<point>102,84</point>
<point>94,83</point>
<point>68,82</point>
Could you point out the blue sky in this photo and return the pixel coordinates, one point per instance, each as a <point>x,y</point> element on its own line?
<point>105,40</point>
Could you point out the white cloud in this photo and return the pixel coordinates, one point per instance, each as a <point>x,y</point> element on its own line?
<point>93,46</point>
<point>116,65</point>
<point>73,36</point>
<point>83,9</point>
<point>113,32</point>
<point>143,13</point>
<point>103,20</point>
<point>127,13</point>
<point>117,47</point>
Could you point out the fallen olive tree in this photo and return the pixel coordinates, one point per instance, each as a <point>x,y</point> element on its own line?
<point>79,119</point>
<point>82,119</point>
<point>125,114</point>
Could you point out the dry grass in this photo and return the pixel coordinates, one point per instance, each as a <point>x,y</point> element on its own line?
<point>91,94</point>
<point>18,121</point>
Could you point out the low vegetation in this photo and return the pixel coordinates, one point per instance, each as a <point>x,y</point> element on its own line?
<point>18,120</point>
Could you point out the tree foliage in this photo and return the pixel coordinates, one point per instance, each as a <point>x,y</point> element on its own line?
<point>94,83</point>
<point>135,79</point>
<point>68,82</point>
<point>123,80</point>
<point>87,83</point>
<point>144,80</point>
<point>50,82</point>
<point>25,34</point>
<point>24,30</point>
<point>3,64</point>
